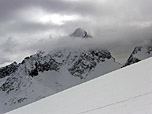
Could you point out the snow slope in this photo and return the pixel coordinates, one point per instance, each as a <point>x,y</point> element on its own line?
<point>125,91</point>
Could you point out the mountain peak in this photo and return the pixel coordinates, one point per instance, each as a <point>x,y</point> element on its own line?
<point>80,32</point>
<point>140,52</point>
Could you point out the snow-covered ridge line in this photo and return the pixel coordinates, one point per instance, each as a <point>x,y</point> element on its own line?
<point>125,91</point>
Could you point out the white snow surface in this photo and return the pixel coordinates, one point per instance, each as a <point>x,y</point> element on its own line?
<point>125,91</point>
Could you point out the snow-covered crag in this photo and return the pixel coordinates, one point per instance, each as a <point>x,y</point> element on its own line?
<point>19,89</point>
<point>140,52</point>
<point>65,68</point>
<point>79,32</point>
<point>6,71</point>
<point>46,73</point>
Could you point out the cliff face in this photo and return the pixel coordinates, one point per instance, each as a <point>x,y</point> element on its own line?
<point>6,71</point>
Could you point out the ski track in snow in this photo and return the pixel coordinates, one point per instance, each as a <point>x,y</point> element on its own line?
<point>115,103</point>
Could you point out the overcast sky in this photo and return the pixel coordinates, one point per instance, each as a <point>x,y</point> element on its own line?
<point>24,24</point>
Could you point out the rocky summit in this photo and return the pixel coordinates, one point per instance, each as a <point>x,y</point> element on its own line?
<point>79,32</point>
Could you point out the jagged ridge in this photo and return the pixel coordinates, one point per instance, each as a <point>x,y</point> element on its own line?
<point>7,70</point>
<point>139,53</point>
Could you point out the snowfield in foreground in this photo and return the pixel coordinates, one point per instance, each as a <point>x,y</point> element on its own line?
<point>125,91</point>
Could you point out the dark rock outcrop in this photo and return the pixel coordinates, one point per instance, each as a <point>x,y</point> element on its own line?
<point>7,70</point>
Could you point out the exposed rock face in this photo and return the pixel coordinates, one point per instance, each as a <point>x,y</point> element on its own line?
<point>78,62</point>
<point>79,32</point>
<point>40,63</point>
<point>140,53</point>
<point>88,61</point>
<point>7,70</point>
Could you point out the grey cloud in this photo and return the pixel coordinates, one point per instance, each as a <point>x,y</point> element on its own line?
<point>111,22</point>
<point>9,46</point>
<point>29,27</point>
<point>9,8</point>
<point>4,60</point>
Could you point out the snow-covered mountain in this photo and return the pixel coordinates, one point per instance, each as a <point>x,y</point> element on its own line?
<point>46,73</point>
<point>140,52</point>
<point>19,89</point>
<point>70,67</point>
<point>125,91</point>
